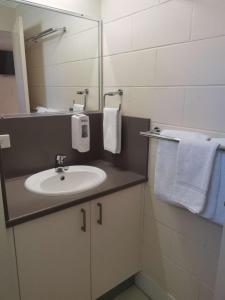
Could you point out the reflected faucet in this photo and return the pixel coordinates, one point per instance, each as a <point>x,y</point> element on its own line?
<point>85,92</point>
<point>59,163</point>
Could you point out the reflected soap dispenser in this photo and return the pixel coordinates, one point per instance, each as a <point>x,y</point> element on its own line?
<point>80,130</point>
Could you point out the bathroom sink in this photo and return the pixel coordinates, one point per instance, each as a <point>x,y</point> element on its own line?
<point>74,180</point>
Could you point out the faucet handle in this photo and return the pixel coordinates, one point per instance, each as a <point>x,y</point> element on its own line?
<point>60,158</point>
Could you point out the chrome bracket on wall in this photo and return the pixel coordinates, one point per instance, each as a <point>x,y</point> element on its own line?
<point>5,141</point>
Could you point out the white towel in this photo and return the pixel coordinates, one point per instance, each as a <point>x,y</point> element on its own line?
<point>211,200</point>
<point>219,216</point>
<point>112,129</point>
<point>42,109</point>
<point>78,107</point>
<point>195,161</point>
<point>166,161</point>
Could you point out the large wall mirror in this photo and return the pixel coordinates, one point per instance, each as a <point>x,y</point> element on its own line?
<point>49,60</point>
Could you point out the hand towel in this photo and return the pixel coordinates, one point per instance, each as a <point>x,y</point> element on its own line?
<point>195,161</point>
<point>112,129</point>
<point>78,107</point>
<point>219,216</point>
<point>166,158</point>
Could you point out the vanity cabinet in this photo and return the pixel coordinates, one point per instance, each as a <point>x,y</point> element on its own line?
<point>60,256</point>
<point>53,256</point>
<point>115,239</point>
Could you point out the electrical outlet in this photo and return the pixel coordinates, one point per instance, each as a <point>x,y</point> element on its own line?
<point>5,141</point>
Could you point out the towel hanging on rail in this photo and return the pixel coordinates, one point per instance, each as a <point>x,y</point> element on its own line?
<point>194,166</point>
<point>166,161</point>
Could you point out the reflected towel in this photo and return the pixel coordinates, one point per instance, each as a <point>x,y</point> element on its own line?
<point>78,107</point>
<point>112,129</point>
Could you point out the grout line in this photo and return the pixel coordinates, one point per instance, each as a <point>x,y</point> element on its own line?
<point>131,14</point>
<point>183,106</point>
<point>65,62</point>
<point>209,131</point>
<point>192,19</point>
<point>17,268</point>
<point>167,45</point>
<point>167,86</point>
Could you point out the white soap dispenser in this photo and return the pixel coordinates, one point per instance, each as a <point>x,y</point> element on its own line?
<point>80,129</point>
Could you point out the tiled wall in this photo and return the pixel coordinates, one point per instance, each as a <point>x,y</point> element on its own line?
<point>60,66</point>
<point>168,56</point>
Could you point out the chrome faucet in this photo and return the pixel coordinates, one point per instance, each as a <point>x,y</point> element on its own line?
<point>59,163</point>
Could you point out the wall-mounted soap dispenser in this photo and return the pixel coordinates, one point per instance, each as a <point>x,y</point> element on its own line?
<point>80,129</point>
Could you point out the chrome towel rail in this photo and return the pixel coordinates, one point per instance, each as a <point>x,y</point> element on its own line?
<point>36,37</point>
<point>85,92</point>
<point>156,135</point>
<point>119,92</point>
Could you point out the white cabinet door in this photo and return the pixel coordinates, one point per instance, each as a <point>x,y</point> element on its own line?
<point>115,238</point>
<point>53,255</point>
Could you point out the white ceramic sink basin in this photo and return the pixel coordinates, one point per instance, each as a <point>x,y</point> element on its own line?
<point>76,179</point>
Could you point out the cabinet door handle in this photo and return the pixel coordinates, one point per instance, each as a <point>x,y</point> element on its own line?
<point>99,221</point>
<point>83,227</point>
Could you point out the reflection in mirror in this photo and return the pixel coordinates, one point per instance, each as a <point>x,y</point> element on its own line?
<point>49,60</point>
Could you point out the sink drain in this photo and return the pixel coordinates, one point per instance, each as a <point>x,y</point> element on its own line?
<point>62,177</point>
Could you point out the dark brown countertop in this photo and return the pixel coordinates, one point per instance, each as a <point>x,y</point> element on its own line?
<point>29,206</point>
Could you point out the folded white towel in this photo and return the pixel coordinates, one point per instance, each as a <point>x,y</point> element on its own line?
<point>195,161</point>
<point>219,216</point>
<point>78,107</point>
<point>166,161</point>
<point>112,129</point>
<point>43,109</point>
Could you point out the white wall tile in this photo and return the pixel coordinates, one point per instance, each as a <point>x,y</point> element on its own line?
<point>183,222</point>
<point>81,73</point>
<point>81,46</point>
<point>152,262</point>
<point>214,236</point>
<point>36,76</point>
<point>164,105</point>
<point>204,108</point>
<point>159,25</point>
<point>208,19</point>
<point>117,36</point>
<point>130,69</point>
<point>110,10</point>
<point>37,96</point>
<point>205,293</point>
<point>196,63</point>
<point>63,97</point>
<point>180,283</point>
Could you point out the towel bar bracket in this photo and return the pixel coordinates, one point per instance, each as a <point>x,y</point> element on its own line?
<point>118,92</point>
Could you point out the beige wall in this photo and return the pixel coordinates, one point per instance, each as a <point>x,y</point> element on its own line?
<point>8,97</point>
<point>7,18</point>
<point>168,56</point>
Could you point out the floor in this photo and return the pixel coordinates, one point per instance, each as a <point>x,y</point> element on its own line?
<point>132,293</point>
